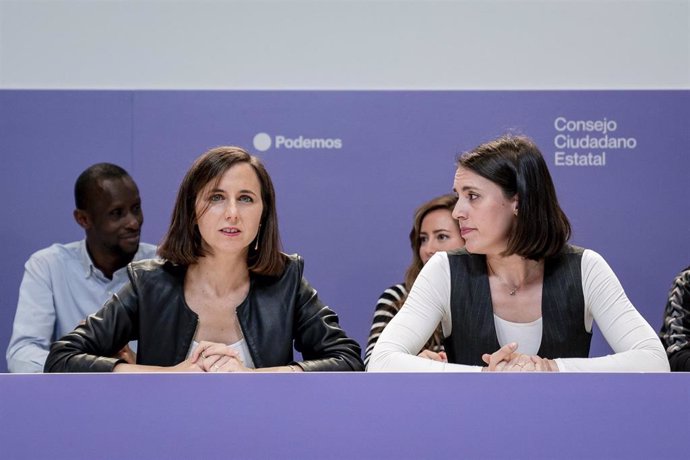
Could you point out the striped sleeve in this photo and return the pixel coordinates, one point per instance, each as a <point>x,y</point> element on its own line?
<point>386,308</point>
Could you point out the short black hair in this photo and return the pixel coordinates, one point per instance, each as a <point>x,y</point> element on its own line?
<point>90,177</point>
<point>515,164</point>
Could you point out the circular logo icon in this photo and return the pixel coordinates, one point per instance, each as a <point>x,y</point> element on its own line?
<point>262,142</point>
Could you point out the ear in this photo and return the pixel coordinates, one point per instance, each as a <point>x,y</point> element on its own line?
<point>515,204</point>
<point>82,218</point>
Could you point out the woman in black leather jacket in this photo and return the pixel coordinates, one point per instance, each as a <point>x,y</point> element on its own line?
<point>223,298</point>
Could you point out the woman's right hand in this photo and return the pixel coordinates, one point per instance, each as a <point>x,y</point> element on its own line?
<point>499,359</point>
<point>506,359</point>
<point>186,366</point>
<point>217,357</point>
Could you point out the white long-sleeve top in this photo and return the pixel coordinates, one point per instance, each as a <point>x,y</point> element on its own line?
<point>637,347</point>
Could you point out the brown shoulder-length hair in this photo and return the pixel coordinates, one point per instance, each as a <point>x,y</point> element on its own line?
<point>440,202</point>
<point>182,244</point>
<point>435,342</point>
<point>516,165</point>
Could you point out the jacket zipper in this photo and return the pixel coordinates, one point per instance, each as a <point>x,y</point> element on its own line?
<point>244,335</point>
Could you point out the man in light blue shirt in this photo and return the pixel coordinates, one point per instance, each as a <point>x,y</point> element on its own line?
<point>65,283</point>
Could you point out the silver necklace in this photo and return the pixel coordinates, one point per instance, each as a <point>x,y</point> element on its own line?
<point>516,287</point>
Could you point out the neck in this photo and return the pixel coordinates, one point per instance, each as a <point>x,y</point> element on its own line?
<point>513,270</point>
<point>108,262</point>
<point>220,274</point>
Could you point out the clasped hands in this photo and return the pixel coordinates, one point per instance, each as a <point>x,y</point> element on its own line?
<point>506,359</point>
<point>212,357</point>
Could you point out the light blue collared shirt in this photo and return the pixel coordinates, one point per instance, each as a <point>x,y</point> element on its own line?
<point>60,288</point>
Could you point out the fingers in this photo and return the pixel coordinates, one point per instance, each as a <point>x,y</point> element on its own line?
<point>544,364</point>
<point>523,363</point>
<point>214,363</point>
<point>127,355</point>
<point>443,356</point>
<point>206,349</point>
<point>503,354</point>
<point>428,354</point>
<point>211,362</point>
<point>227,364</point>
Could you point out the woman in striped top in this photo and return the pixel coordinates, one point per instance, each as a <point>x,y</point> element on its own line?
<point>434,229</point>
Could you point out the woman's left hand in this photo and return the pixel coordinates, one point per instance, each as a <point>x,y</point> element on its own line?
<point>217,357</point>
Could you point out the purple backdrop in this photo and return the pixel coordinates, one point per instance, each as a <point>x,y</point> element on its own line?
<point>351,166</point>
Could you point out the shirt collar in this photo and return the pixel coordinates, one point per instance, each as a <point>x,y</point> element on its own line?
<point>86,262</point>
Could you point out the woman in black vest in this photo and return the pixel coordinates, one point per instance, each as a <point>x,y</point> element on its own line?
<point>518,297</point>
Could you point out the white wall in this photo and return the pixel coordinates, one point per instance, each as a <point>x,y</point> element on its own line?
<point>345,44</point>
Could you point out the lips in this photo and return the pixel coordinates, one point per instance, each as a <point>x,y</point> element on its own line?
<point>230,231</point>
<point>465,231</point>
<point>131,236</point>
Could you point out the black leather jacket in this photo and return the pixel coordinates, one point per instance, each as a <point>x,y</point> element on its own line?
<point>151,309</point>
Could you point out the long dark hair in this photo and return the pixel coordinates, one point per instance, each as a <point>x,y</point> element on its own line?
<point>182,243</point>
<point>515,164</point>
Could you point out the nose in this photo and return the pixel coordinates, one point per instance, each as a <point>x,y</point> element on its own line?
<point>425,252</point>
<point>134,220</point>
<point>431,247</point>
<point>231,211</point>
<point>459,211</point>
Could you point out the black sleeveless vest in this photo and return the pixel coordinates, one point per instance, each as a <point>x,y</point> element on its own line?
<point>562,309</point>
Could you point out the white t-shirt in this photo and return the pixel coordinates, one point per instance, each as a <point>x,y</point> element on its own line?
<point>637,347</point>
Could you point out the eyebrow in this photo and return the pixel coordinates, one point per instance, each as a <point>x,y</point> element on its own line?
<point>215,190</point>
<point>435,231</point>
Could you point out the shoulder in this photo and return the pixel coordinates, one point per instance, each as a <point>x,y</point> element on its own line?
<point>149,271</point>
<point>680,289</point>
<point>292,271</point>
<point>570,252</point>
<point>592,260</point>
<point>457,253</point>
<point>146,251</point>
<point>393,293</point>
<point>460,261</point>
<point>57,253</point>
<point>683,277</point>
<point>294,266</point>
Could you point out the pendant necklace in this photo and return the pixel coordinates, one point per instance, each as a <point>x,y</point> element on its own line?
<point>515,287</point>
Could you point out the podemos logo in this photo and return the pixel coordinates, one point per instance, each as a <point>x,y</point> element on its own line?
<point>263,142</point>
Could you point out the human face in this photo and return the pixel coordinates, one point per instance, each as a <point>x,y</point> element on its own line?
<point>113,217</point>
<point>486,216</point>
<point>229,212</point>
<point>439,232</point>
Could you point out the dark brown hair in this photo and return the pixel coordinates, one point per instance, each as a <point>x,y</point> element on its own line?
<point>515,164</point>
<point>182,243</point>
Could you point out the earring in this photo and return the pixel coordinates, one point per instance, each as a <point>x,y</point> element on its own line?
<point>258,234</point>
